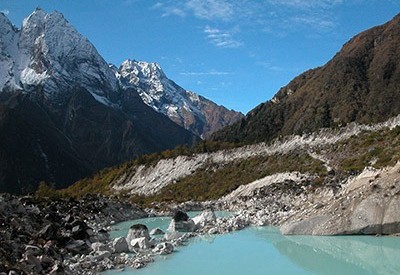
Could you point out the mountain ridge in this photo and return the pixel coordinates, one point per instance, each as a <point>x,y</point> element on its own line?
<point>188,109</point>
<point>359,83</point>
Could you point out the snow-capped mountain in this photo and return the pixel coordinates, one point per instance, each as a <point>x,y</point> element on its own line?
<point>63,113</point>
<point>48,51</point>
<point>189,110</point>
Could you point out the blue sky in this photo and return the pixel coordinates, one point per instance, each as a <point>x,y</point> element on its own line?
<point>237,53</point>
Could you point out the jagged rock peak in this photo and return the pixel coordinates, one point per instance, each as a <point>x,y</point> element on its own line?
<point>141,69</point>
<point>49,51</point>
<point>195,113</point>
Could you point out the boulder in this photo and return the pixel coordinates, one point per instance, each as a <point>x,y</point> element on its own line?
<point>98,246</point>
<point>101,255</point>
<point>182,226</point>
<point>79,230</point>
<point>156,231</point>
<point>77,247</point>
<point>206,217</point>
<point>163,248</point>
<point>368,205</point>
<point>179,216</point>
<point>49,232</point>
<point>137,231</point>
<point>119,245</point>
<point>139,243</point>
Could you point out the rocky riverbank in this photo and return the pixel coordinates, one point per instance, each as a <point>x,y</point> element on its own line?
<point>71,236</point>
<point>53,236</point>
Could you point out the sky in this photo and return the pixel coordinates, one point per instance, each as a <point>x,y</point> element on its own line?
<point>237,53</point>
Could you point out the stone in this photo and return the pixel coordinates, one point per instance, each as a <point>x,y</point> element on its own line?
<point>163,248</point>
<point>77,247</point>
<point>309,226</point>
<point>49,232</point>
<point>179,216</point>
<point>120,245</point>
<point>137,231</point>
<point>98,246</point>
<point>156,231</point>
<point>32,261</point>
<point>79,230</point>
<point>140,243</point>
<point>101,255</point>
<point>206,217</point>
<point>182,226</point>
<point>169,236</point>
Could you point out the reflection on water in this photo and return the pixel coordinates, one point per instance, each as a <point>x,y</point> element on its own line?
<point>263,250</point>
<point>343,254</point>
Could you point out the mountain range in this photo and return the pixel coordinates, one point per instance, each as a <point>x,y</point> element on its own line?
<point>65,112</point>
<point>361,83</point>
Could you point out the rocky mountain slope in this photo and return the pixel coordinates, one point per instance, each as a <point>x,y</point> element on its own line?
<point>189,110</point>
<point>361,83</point>
<point>63,113</point>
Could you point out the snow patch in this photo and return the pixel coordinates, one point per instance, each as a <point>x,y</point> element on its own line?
<point>31,77</point>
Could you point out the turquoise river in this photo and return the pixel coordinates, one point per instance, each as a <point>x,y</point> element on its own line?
<point>263,250</point>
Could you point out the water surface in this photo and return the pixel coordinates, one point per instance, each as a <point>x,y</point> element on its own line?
<point>263,250</point>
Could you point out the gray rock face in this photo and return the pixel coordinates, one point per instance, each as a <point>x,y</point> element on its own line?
<point>370,204</point>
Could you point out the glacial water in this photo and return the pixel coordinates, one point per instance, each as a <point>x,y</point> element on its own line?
<point>263,250</point>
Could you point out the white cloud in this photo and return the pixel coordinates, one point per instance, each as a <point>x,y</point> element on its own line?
<point>221,39</point>
<point>306,4</point>
<point>269,66</point>
<point>168,11</point>
<point>5,11</point>
<point>211,9</point>
<point>208,73</point>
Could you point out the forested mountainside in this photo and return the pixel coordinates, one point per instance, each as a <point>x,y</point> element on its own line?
<point>361,83</point>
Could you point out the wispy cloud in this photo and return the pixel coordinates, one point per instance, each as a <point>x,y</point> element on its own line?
<point>269,66</point>
<point>220,38</point>
<point>278,17</point>
<point>169,10</point>
<point>306,4</point>
<point>5,11</point>
<point>211,9</point>
<point>208,73</point>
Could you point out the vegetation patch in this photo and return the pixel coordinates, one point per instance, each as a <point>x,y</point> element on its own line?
<point>377,149</point>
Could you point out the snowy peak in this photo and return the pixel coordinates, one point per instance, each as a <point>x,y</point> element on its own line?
<point>189,110</point>
<point>50,52</point>
<point>134,72</point>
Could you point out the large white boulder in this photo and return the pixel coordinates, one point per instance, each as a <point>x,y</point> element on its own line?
<point>204,218</point>
<point>140,243</point>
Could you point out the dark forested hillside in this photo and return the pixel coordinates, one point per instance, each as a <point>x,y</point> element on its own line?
<point>361,83</point>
